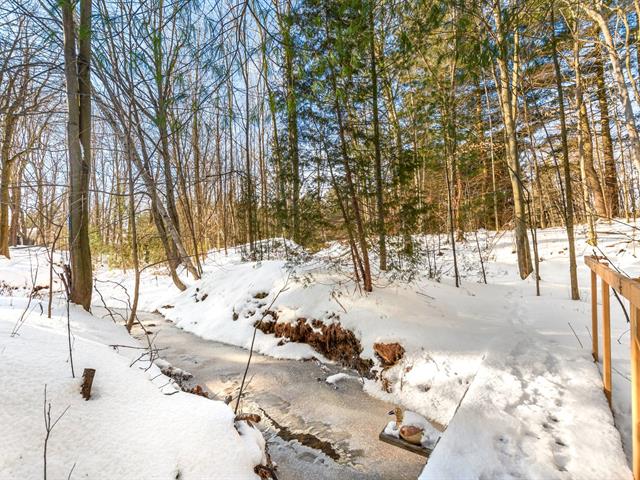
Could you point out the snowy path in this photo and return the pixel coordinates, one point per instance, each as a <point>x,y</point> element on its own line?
<point>343,421</point>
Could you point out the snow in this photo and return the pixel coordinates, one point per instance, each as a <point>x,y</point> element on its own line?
<point>507,375</point>
<point>432,383</point>
<point>27,267</point>
<point>492,364</point>
<point>338,377</point>
<point>136,424</point>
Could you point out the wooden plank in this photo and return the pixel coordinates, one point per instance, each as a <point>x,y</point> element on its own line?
<point>625,286</point>
<point>635,396</point>
<point>398,442</point>
<point>606,341</point>
<point>630,289</point>
<point>594,315</point>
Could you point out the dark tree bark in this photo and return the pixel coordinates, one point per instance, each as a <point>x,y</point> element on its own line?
<point>77,58</point>
<point>610,174</point>
<point>575,294</point>
<point>376,144</point>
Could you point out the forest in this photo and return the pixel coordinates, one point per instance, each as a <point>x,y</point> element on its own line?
<point>365,150</point>
<point>214,125</point>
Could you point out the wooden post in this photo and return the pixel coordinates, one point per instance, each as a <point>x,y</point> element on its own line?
<point>87,382</point>
<point>594,315</point>
<point>635,396</point>
<point>628,288</point>
<point>606,339</point>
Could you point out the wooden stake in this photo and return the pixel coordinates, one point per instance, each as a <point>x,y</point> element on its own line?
<point>87,382</point>
<point>635,397</point>
<point>594,315</point>
<point>606,339</point>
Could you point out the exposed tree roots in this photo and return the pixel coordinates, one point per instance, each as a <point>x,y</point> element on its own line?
<point>332,341</point>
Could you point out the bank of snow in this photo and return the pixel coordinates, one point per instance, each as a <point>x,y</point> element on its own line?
<point>507,374</point>
<point>136,424</point>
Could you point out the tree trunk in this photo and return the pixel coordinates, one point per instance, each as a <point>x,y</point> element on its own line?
<point>618,76</point>
<point>610,175</point>
<point>585,149</point>
<point>507,103</point>
<point>362,239</point>
<point>78,86</point>
<point>5,180</point>
<point>16,208</point>
<point>376,144</point>
<point>575,294</point>
<point>133,233</point>
<point>292,120</point>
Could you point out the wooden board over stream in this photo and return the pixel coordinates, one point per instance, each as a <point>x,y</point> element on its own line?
<point>398,442</point>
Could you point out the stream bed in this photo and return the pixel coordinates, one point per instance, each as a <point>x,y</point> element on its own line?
<point>314,430</point>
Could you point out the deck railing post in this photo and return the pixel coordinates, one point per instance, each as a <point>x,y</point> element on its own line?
<point>594,315</point>
<point>635,397</point>
<point>629,288</point>
<point>606,341</point>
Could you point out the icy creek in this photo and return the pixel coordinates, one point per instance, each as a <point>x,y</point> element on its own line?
<point>314,429</point>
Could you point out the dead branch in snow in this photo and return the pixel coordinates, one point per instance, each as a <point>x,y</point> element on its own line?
<point>34,290</point>
<point>66,282</point>
<point>253,339</point>
<point>575,334</point>
<point>49,425</point>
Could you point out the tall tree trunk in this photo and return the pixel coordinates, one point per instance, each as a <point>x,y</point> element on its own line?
<point>6,177</point>
<point>575,294</point>
<point>585,131</point>
<point>508,101</point>
<point>382,245</point>
<point>618,77</point>
<point>248,173</point>
<point>133,233</point>
<point>16,207</point>
<point>286,22</point>
<point>585,149</point>
<point>78,86</point>
<point>610,175</point>
<point>494,192</point>
<point>162,119</point>
<point>362,238</point>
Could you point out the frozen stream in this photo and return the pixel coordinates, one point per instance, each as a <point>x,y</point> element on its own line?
<point>338,425</point>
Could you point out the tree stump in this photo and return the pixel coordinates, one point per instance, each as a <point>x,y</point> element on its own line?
<point>87,382</point>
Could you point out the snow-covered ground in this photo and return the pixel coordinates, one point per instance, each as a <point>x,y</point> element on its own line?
<point>137,424</point>
<point>507,375</point>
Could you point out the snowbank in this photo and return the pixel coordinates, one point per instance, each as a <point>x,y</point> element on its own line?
<point>136,424</point>
<point>507,373</point>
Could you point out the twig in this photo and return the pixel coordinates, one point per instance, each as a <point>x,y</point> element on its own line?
<point>622,335</point>
<point>253,339</point>
<point>620,373</point>
<point>104,304</point>
<point>34,277</point>
<point>575,334</point>
<point>425,295</point>
<point>484,274</point>
<point>333,295</point>
<point>48,425</point>
<point>71,471</point>
<point>589,332</point>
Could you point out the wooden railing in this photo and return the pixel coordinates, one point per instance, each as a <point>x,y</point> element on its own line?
<point>630,289</point>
